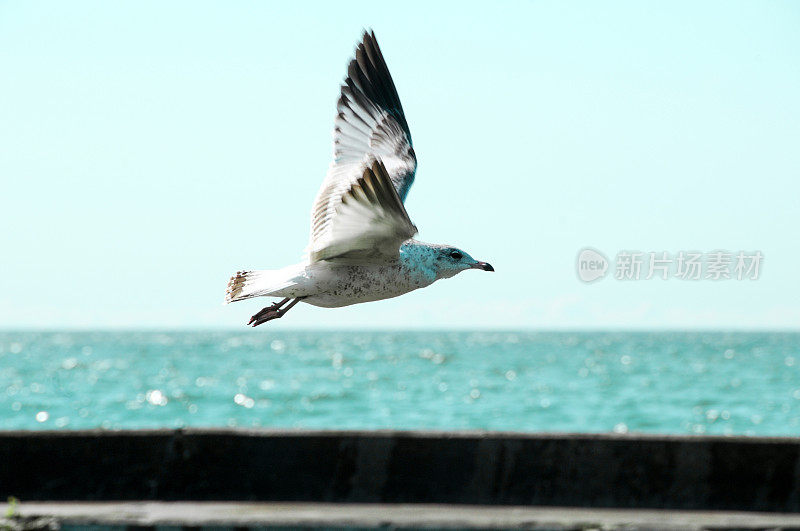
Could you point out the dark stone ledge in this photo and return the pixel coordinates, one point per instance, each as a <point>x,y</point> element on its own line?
<point>482,468</point>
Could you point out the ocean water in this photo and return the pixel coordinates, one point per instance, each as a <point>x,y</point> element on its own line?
<point>677,383</point>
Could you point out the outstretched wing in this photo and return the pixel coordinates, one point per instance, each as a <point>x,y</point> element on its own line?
<point>369,126</point>
<point>370,222</point>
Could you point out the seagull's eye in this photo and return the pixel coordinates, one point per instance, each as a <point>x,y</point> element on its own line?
<point>455,255</point>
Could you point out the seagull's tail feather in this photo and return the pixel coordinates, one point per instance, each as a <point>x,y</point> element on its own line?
<point>248,284</point>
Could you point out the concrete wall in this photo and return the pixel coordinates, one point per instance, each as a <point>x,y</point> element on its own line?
<point>630,471</point>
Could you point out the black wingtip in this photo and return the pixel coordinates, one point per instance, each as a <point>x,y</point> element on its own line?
<point>367,73</point>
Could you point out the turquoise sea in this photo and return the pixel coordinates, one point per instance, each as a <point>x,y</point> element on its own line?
<point>666,382</point>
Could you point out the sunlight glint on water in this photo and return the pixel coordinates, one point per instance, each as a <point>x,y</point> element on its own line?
<point>718,383</point>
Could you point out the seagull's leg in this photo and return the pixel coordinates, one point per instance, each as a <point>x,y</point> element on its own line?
<point>273,312</point>
<point>271,308</point>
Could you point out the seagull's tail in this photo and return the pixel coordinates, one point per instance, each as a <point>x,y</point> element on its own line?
<point>248,284</point>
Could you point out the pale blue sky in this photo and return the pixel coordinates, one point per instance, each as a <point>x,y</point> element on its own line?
<point>150,149</point>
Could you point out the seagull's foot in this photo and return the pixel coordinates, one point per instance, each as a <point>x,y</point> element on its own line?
<point>268,313</point>
<point>263,316</point>
<point>273,311</point>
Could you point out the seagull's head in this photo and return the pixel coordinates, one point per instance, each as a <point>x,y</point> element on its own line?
<point>450,261</point>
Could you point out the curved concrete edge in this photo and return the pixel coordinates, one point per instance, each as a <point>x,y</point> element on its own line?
<point>210,514</point>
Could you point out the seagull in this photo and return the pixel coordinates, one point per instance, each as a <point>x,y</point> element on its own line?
<point>361,247</point>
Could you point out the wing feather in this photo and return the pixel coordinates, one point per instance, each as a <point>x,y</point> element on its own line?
<point>370,222</point>
<point>369,126</point>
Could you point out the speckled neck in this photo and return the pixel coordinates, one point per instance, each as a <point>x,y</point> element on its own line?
<point>419,258</point>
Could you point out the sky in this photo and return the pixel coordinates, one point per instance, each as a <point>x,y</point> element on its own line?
<point>150,149</point>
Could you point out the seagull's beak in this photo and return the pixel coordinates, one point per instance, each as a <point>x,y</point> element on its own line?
<point>483,265</point>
